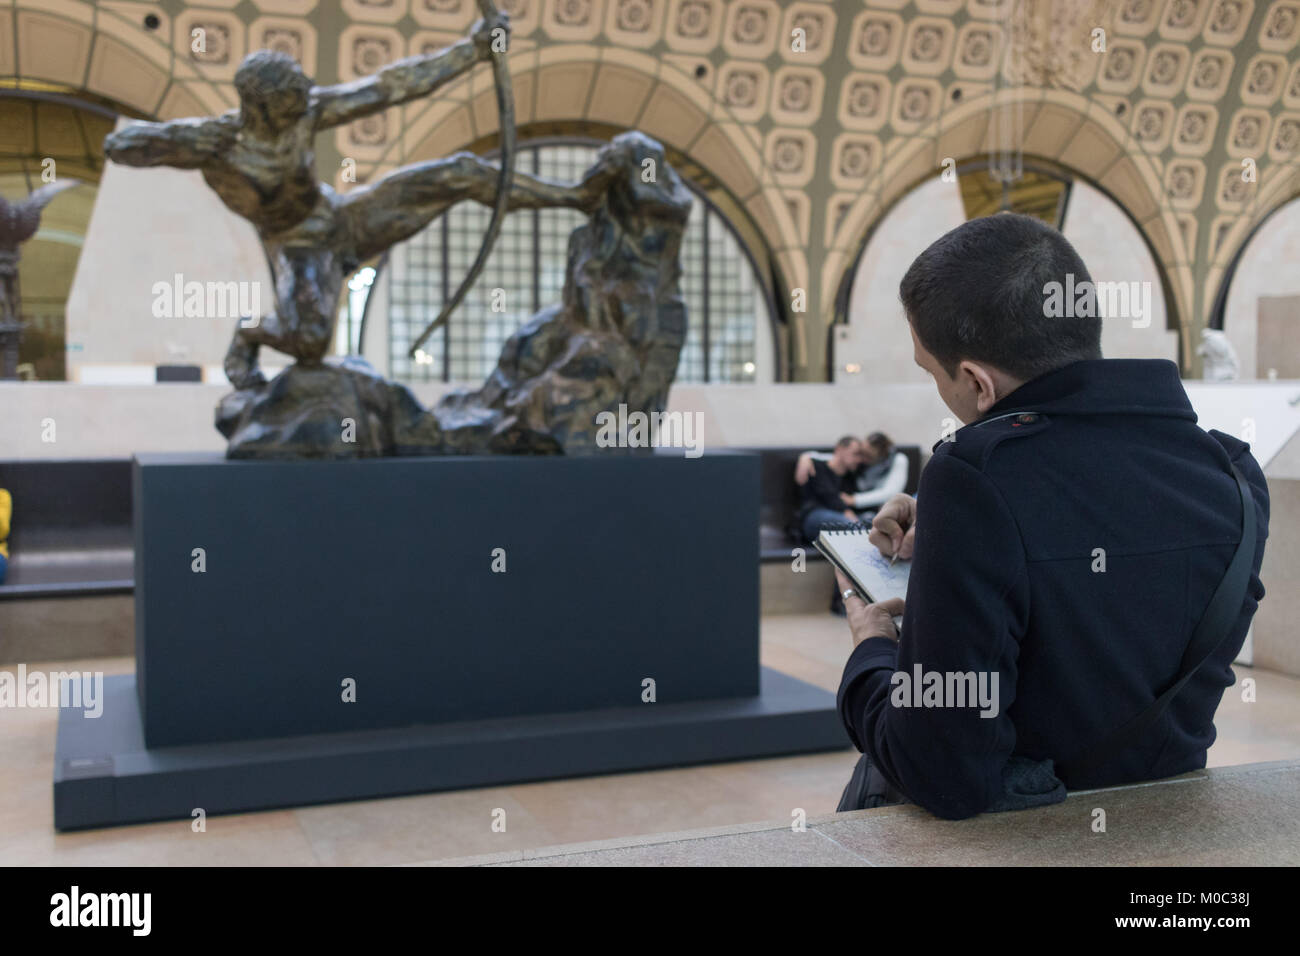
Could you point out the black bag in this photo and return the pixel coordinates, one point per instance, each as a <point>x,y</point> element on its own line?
<point>868,789</point>
<point>1030,783</point>
<point>1025,783</point>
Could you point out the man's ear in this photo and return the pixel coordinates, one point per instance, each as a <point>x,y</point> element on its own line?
<point>982,383</point>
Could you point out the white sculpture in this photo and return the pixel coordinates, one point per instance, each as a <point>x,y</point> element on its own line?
<point>1220,357</point>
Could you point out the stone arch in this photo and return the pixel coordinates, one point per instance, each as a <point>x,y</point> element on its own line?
<point>102,50</point>
<point>1061,129</point>
<point>1279,186</point>
<point>1243,329</point>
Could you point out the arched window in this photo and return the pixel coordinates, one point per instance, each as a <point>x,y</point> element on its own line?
<point>1258,306</point>
<point>728,337</point>
<point>872,342</point>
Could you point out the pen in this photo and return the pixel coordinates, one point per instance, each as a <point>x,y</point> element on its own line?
<point>893,559</point>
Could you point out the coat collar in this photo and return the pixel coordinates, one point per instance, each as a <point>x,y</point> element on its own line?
<point>1103,387</point>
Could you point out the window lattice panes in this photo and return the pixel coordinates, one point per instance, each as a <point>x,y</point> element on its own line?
<point>415,295</point>
<point>690,366</point>
<point>734,301</point>
<point>525,273</point>
<point>499,301</point>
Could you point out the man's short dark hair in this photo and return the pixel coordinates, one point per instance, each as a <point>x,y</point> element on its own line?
<point>979,293</point>
<point>881,442</point>
<point>845,442</point>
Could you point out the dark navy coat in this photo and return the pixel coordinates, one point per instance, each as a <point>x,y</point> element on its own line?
<point>1006,579</point>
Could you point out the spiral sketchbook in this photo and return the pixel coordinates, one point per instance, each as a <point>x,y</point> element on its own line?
<point>870,571</point>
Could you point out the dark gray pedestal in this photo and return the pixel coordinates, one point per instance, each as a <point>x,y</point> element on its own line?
<point>617,569</point>
<point>104,775</point>
<point>380,572</point>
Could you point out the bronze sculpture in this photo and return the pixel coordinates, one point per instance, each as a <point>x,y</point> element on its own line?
<point>618,331</point>
<point>18,223</point>
<point>259,160</point>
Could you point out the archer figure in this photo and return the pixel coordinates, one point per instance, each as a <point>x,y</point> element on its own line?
<point>259,159</point>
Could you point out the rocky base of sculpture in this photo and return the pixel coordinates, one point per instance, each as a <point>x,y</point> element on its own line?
<point>545,397</point>
<point>342,409</point>
<point>551,385</point>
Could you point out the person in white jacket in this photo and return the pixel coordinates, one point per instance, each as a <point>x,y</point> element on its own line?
<point>883,473</point>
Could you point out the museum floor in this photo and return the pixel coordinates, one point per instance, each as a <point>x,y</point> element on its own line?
<point>438,826</point>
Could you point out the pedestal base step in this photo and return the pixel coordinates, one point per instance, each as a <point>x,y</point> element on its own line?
<point>104,776</point>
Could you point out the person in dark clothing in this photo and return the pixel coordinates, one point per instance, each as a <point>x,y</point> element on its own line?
<point>1064,543</point>
<point>820,501</point>
<point>882,472</point>
<point>823,497</point>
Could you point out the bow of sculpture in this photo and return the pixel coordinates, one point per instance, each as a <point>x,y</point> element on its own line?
<point>498,25</point>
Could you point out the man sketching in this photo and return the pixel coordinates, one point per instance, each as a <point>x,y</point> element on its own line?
<point>1070,543</point>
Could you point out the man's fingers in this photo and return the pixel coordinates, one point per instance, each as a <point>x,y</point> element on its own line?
<point>841,581</point>
<point>882,542</point>
<point>894,606</point>
<point>886,534</point>
<point>886,525</point>
<point>907,545</point>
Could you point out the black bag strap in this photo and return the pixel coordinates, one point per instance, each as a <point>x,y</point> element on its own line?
<point>1211,631</point>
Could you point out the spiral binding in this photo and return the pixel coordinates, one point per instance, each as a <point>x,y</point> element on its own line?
<point>844,527</point>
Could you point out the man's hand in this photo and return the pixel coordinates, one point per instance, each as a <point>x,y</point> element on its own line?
<point>869,620</point>
<point>893,531</point>
<point>850,514</point>
<point>846,498</point>
<point>485,34</point>
<point>803,470</point>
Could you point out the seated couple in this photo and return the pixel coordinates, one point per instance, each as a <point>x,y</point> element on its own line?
<point>849,483</point>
